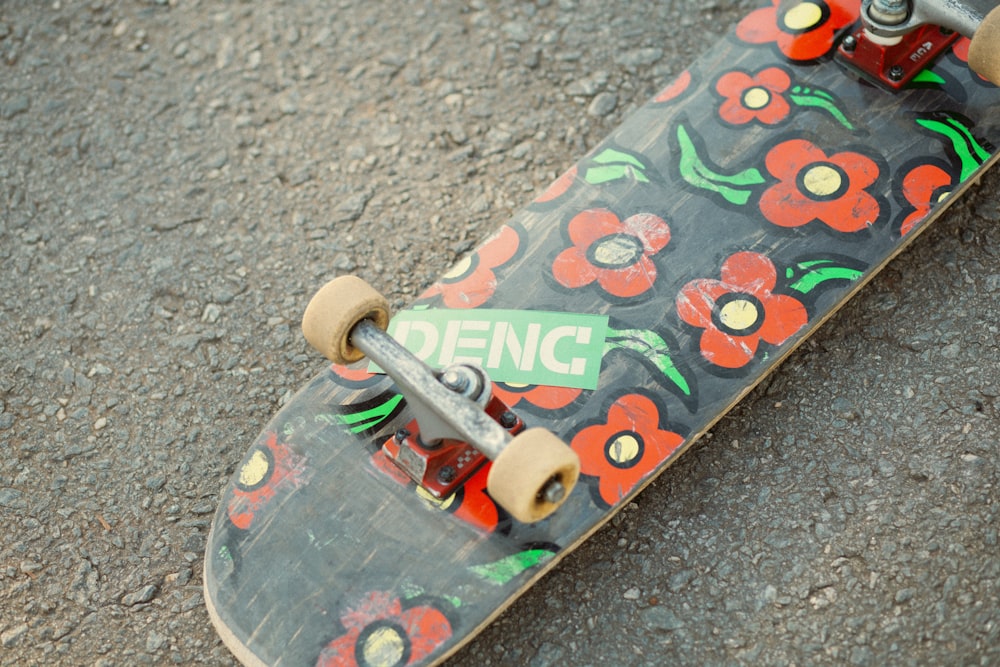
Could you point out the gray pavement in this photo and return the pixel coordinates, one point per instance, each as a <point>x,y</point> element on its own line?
<point>177,178</point>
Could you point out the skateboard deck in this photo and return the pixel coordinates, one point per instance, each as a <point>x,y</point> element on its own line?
<point>625,309</point>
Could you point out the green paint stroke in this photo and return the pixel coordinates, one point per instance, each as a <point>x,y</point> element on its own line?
<point>288,428</point>
<point>970,152</point>
<point>614,165</point>
<point>813,273</point>
<point>411,590</point>
<point>505,569</point>
<point>735,189</point>
<point>650,346</point>
<point>365,419</point>
<point>927,76</point>
<point>818,98</point>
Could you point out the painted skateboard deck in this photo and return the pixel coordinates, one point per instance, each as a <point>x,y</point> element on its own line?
<point>670,269</point>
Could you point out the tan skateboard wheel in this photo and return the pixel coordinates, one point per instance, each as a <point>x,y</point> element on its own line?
<point>333,312</point>
<point>533,475</point>
<point>984,49</point>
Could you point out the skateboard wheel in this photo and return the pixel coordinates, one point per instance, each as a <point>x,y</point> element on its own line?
<point>333,312</point>
<point>533,475</point>
<point>984,49</point>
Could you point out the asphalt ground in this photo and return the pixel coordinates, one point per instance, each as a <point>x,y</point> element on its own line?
<point>178,177</point>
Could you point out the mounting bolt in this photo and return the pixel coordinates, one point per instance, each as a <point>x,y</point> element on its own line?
<point>446,474</point>
<point>895,73</point>
<point>508,419</point>
<point>454,380</point>
<point>850,43</point>
<point>401,435</point>
<point>888,12</point>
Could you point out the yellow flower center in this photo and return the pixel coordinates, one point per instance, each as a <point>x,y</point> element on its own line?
<point>822,180</point>
<point>624,449</point>
<point>441,503</point>
<point>254,470</point>
<point>618,250</point>
<point>756,98</point>
<point>384,648</point>
<point>459,269</point>
<point>739,315</point>
<point>803,16</point>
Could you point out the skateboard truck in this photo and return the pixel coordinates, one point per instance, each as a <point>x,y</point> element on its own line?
<point>896,39</point>
<point>430,449</point>
<point>458,423</point>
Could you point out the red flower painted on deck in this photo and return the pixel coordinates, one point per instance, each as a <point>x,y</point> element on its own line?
<point>381,632</point>
<point>614,253</point>
<point>740,310</point>
<point>271,468</point>
<point>961,49</point>
<point>626,448</point>
<point>353,376</point>
<point>923,187</point>
<point>814,186</point>
<point>802,30</point>
<point>759,97</point>
<point>472,282</point>
<point>541,396</point>
<point>472,504</point>
<point>675,89</point>
<point>558,187</point>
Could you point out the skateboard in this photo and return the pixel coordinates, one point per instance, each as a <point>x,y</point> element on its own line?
<point>452,453</point>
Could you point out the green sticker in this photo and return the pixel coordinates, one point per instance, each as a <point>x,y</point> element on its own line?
<point>514,346</point>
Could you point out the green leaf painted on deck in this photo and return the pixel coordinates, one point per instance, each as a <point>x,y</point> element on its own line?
<point>927,76</point>
<point>807,275</point>
<point>818,98</point>
<point>970,152</point>
<point>736,188</point>
<point>501,571</point>
<point>364,419</point>
<point>612,164</point>
<point>650,346</point>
